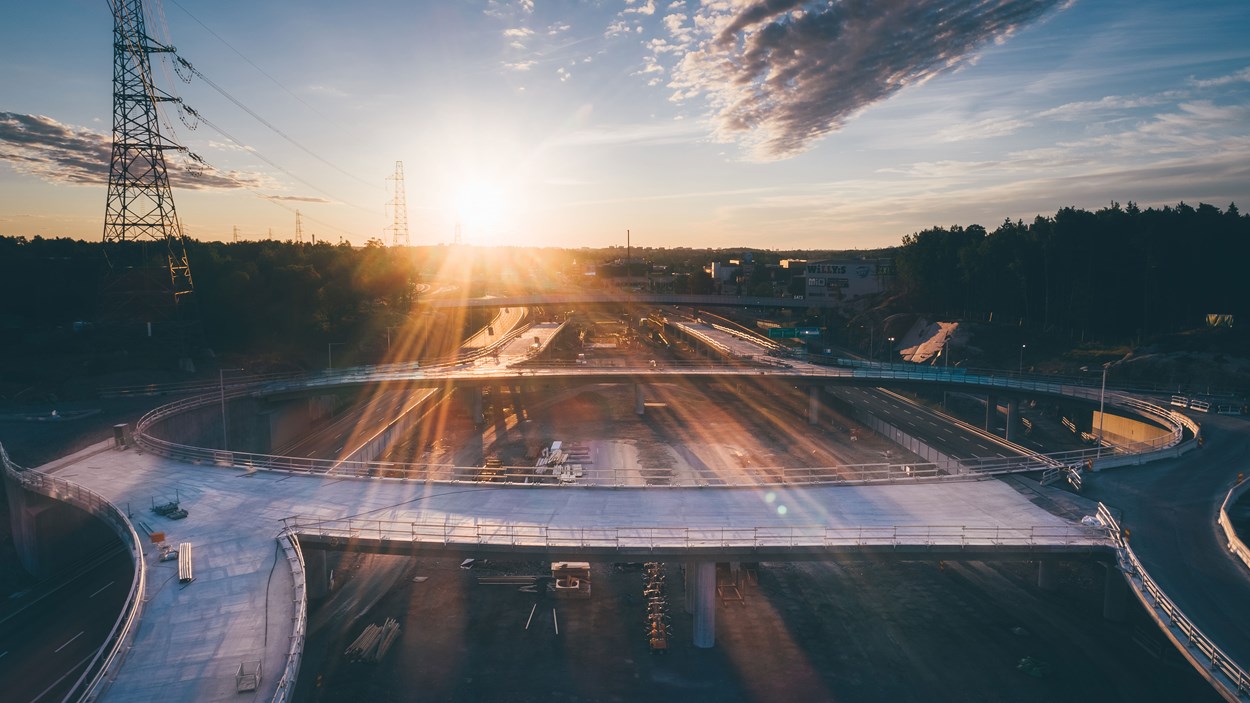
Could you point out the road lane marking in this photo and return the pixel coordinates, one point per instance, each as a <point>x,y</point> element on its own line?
<point>93,595</point>
<point>56,683</point>
<point>67,643</point>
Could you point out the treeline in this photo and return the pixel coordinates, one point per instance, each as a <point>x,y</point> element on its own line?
<point>1119,270</point>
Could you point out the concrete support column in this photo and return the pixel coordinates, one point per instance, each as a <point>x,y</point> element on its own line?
<point>688,586</point>
<point>991,412</point>
<point>640,405</point>
<point>476,413</point>
<point>1047,575</point>
<point>24,525</point>
<point>316,574</point>
<point>813,405</point>
<point>1115,593</point>
<point>518,402</point>
<point>704,573</point>
<point>1013,419</point>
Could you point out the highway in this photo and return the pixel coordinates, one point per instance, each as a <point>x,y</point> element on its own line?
<point>50,633</point>
<point>1170,508</point>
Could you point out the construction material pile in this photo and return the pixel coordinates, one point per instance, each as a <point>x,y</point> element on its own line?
<point>373,643</point>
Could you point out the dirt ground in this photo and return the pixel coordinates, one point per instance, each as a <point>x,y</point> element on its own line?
<point>878,630</point>
<point>833,631</point>
<point>688,432</point>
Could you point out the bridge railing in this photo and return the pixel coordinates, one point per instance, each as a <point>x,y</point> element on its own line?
<point>1197,646</point>
<point>1167,444</point>
<point>299,627</point>
<point>506,534</point>
<point>108,658</point>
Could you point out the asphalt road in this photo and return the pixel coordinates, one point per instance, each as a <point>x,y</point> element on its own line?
<point>920,422</point>
<point>1170,508</point>
<point>49,633</point>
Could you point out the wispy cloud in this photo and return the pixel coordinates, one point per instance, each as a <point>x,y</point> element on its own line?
<point>299,199</point>
<point>781,74</point>
<point>59,153</point>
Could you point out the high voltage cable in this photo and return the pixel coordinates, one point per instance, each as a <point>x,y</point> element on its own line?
<point>262,157</point>
<point>187,64</point>
<point>250,62</point>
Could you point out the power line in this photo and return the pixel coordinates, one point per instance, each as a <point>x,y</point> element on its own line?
<point>195,71</point>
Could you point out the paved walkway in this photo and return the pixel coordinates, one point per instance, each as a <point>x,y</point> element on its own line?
<point>191,639</point>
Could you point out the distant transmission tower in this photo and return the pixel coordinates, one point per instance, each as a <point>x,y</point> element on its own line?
<point>399,208</point>
<point>299,229</point>
<point>236,234</point>
<point>143,242</point>
<point>457,239</point>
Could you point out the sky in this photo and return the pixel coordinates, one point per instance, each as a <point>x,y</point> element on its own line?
<point>776,124</point>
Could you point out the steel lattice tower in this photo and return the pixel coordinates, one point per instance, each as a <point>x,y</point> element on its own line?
<point>143,241</point>
<point>399,208</point>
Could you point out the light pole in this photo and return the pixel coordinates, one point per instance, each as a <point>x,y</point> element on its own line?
<point>889,356</point>
<point>1022,346</point>
<point>225,434</point>
<point>388,337</point>
<point>330,354</point>
<point>1102,403</point>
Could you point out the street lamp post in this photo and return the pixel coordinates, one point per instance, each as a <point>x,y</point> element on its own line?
<point>1102,404</point>
<point>388,337</point>
<point>889,351</point>
<point>1022,346</point>
<point>225,433</point>
<point>330,354</point>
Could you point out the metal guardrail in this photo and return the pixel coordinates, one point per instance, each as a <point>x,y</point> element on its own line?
<point>1235,543</point>
<point>108,658</point>
<point>299,628</point>
<point>1231,680</point>
<point>866,473</point>
<point>510,534</point>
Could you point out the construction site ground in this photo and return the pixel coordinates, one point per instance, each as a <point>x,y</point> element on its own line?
<point>879,630</point>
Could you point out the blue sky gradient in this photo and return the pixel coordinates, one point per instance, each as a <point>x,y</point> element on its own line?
<point>779,124</point>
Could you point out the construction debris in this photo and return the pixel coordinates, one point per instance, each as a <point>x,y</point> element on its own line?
<point>374,642</point>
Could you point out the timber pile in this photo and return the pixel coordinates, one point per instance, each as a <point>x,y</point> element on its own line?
<point>374,642</point>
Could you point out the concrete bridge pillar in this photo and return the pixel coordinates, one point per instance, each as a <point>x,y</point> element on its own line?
<point>640,405</point>
<point>316,574</point>
<point>813,405</point>
<point>476,413</point>
<point>1114,594</point>
<point>518,402</point>
<point>1047,575</point>
<point>24,521</point>
<point>703,575</point>
<point>1013,419</point>
<point>991,412</point>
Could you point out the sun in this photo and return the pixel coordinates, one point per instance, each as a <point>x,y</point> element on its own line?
<point>481,208</point>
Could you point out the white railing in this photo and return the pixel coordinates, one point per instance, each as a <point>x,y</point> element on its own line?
<point>299,625</point>
<point>1168,444</point>
<point>1203,653</point>
<point>527,536</point>
<point>1235,543</point>
<point>108,658</point>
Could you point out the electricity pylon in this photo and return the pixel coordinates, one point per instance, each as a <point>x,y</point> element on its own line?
<point>399,209</point>
<point>143,241</point>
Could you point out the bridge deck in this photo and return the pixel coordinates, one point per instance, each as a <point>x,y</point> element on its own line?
<point>192,639</point>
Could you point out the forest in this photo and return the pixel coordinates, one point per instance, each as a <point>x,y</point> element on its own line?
<point>1116,272</point>
<point>1119,271</point>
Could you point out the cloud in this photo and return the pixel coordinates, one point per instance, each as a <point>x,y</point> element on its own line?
<point>1241,76</point>
<point>59,153</point>
<point>781,74</point>
<point>298,199</point>
<point>647,8</point>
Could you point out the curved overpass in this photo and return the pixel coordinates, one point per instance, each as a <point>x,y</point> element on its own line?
<point>236,520</point>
